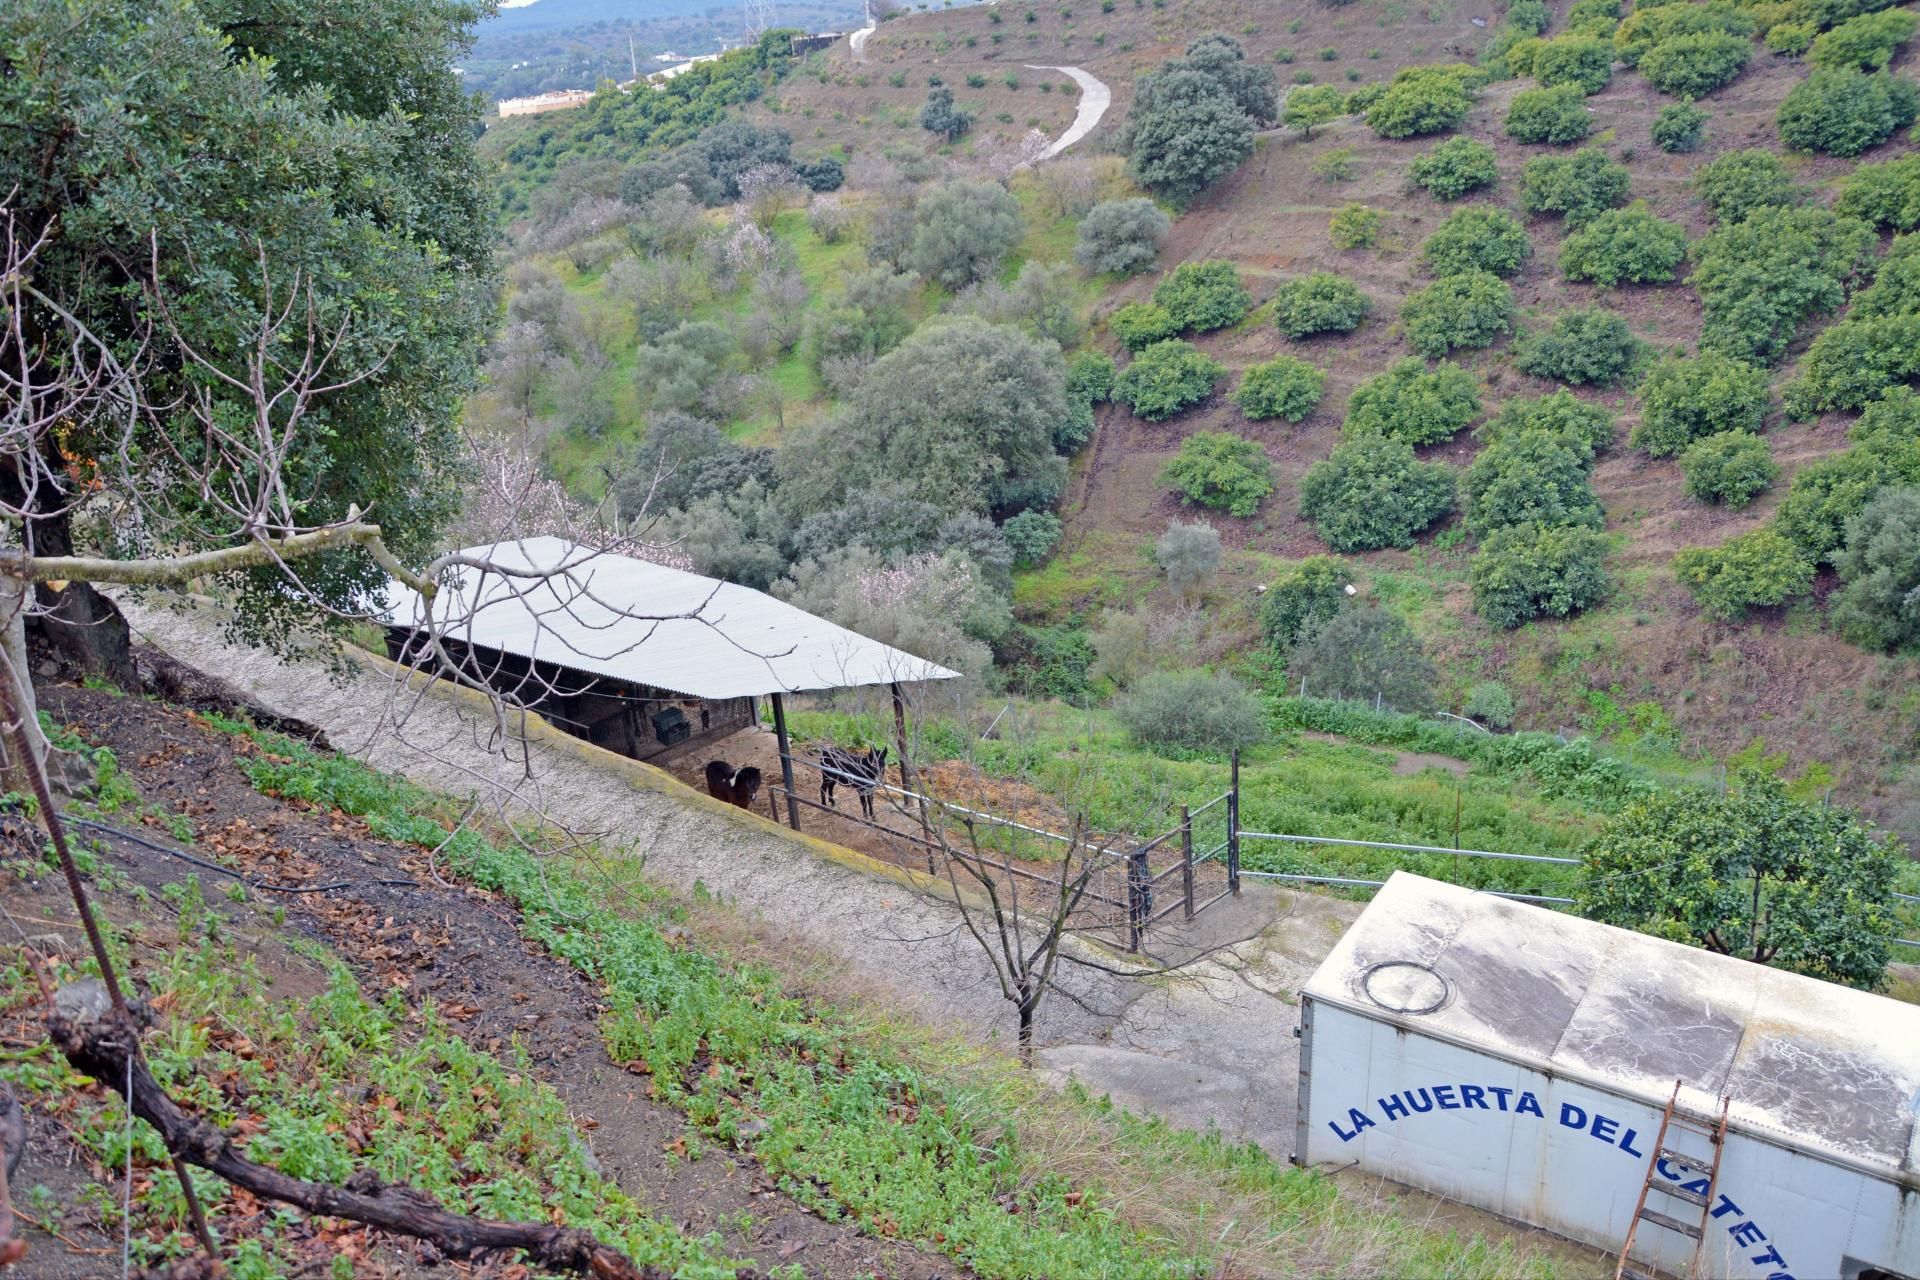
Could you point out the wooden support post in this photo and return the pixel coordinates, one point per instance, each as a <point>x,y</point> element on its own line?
<point>1186,858</point>
<point>786,759</point>
<point>1233,828</point>
<point>906,775</point>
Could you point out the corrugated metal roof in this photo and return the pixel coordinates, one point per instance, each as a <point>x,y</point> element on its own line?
<point>612,615</point>
<point>1816,1066</point>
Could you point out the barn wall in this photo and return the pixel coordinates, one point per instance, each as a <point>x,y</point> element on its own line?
<point>1569,1157</point>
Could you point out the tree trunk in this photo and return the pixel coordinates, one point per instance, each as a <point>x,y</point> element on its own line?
<point>80,631</point>
<point>13,646</point>
<point>1029,1006</point>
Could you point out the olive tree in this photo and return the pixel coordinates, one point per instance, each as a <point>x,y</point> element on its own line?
<point>1879,608</point>
<point>1188,554</point>
<point>963,231</point>
<point>918,420</point>
<point>1365,652</point>
<point>1121,236</point>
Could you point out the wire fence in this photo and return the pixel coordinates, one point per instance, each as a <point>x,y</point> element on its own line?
<point>1141,881</point>
<point>1121,885</point>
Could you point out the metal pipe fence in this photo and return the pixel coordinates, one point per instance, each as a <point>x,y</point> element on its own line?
<point>1129,883</point>
<point>1126,881</point>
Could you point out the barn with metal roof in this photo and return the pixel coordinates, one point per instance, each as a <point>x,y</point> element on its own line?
<point>640,658</point>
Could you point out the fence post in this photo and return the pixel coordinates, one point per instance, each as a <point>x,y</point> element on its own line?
<point>1233,829</point>
<point>786,759</point>
<point>1186,857</point>
<point>906,778</point>
<point>1139,897</point>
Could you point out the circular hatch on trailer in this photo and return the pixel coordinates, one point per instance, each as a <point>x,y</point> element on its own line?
<point>1405,986</point>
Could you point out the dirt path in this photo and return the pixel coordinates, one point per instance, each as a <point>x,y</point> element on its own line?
<point>1095,98</point>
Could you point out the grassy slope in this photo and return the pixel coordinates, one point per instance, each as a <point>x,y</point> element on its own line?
<point>878,1121</point>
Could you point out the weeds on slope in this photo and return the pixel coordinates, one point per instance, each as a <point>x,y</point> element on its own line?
<point>319,1090</point>
<point>962,1152</point>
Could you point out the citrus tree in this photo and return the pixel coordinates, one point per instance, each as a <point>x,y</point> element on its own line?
<point>1753,873</point>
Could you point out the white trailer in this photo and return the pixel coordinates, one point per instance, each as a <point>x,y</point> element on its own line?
<point>1519,1060</point>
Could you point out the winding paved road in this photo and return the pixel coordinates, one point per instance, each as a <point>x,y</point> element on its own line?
<point>1095,98</point>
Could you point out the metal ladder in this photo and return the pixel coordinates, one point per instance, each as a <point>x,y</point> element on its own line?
<point>1715,1133</point>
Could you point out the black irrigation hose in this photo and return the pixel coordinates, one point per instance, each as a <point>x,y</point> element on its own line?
<point>157,847</point>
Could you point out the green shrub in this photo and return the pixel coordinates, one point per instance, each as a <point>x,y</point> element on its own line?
<point>1477,238</point>
<point>1881,567</point>
<point>1521,54</point>
<point>1141,324</point>
<point>1200,296</point>
<point>1533,571</point>
<point>1896,285</point>
<point>1310,592</point>
<point>1454,168</point>
<point>1842,111</point>
<point>1760,278</point>
<point>1886,195</point>
<point>1090,376</point>
<point>1472,309</point>
<point>1489,702</point>
<point>1791,39</point>
<point>1032,536</point>
<point>1361,100</point>
<point>1531,477</point>
<point>1730,469</point>
<point>1373,493</point>
<point>1221,470</point>
<point>1561,413</point>
<point>1166,378</point>
<point>1647,28</point>
<point>1074,430</point>
<point>1695,65</point>
<point>1679,128</point>
<point>1310,106</point>
<point>1755,570</point>
<point>1192,711</point>
<point>1557,116</point>
<point>1579,186</point>
<point>1342,164</point>
<point>1684,400</point>
<point>1354,226</point>
<point>1422,100</point>
<point>1827,493</point>
<point>1319,303</point>
<point>1852,363</point>
<point>1737,183</point>
<point>1283,387</point>
<point>1364,652</point>
<point>1529,16</point>
<point>1587,346</point>
<point>1625,246</point>
<point>1413,403</point>
<point>1580,61</point>
<point>1867,42</point>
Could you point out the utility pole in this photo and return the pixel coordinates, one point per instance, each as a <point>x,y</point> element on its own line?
<point>633,59</point>
<point>760,18</point>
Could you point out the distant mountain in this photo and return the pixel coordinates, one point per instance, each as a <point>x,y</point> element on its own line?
<point>557,15</point>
